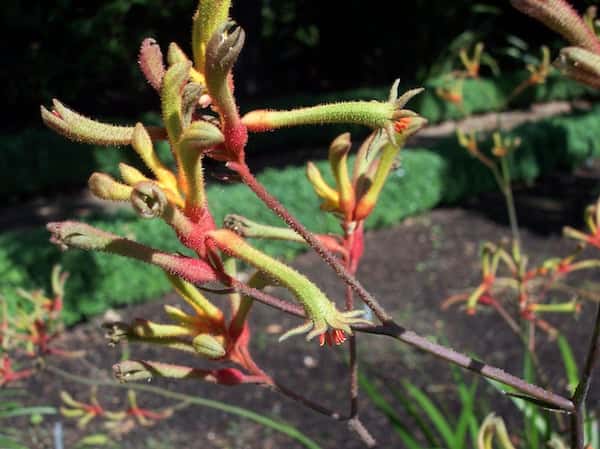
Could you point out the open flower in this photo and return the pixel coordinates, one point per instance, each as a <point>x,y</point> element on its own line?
<point>354,196</point>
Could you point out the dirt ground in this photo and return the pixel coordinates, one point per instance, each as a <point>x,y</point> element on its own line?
<point>410,268</point>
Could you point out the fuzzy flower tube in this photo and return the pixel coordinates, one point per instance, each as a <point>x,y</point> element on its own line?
<point>322,314</point>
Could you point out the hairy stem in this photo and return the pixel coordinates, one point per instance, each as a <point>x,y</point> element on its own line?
<point>352,264</point>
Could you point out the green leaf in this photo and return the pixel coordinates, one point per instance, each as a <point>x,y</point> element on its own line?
<point>592,431</point>
<point>9,405</point>
<point>384,406</point>
<point>569,363</point>
<point>412,410</point>
<point>23,411</point>
<point>433,413</point>
<point>9,443</point>
<point>467,415</point>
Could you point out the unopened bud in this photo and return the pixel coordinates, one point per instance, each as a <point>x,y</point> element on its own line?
<point>105,187</point>
<point>208,346</point>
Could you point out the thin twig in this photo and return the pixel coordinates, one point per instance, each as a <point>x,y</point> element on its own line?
<point>288,392</point>
<point>354,423</point>
<point>353,362</point>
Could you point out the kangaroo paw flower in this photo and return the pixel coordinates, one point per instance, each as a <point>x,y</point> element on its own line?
<point>151,62</point>
<point>320,310</point>
<point>76,127</point>
<point>581,65</point>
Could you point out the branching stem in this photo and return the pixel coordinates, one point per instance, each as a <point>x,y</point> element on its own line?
<point>250,180</point>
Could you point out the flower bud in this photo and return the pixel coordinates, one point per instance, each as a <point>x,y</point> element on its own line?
<point>338,159</point>
<point>105,187</point>
<point>581,65</point>
<point>151,62</point>
<point>208,346</point>
<point>76,127</point>
<point>131,175</point>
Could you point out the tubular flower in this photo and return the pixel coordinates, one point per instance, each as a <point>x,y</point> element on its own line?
<point>84,412</point>
<point>354,197</point>
<point>560,16</point>
<point>372,114</point>
<point>503,146</point>
<point>8,374</point>
<point>592,220</point>
<point>472,63</point>
<point>204,333</point>
<point>321,311</point>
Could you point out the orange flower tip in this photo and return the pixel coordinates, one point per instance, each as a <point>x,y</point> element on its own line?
<point>332,337</point>
<point>471,311</point>
<point>488,280</point>
<point>401,124</point>
<point>339,336</point>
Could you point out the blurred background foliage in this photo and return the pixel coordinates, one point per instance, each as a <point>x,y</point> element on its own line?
<point>84,52</point>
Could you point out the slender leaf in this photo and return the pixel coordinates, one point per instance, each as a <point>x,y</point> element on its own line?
<point>569,362</point>
<point>9,405</point>
<point>11,392</point>
<point>9,443</point>
<point>384,407</point>
<point>530,412</point>
<point>592,431</point>
<point>526,409</point>
<point>467,394</point>
<point>432,412</point>
<point>467,414</point>
<point>412,410</point>
<point>23,411</point>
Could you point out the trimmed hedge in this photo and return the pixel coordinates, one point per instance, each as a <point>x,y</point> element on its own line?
<point>38,160</point>
<point>427,178</point>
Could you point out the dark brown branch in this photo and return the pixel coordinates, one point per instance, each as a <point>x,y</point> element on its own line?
<point>353,368</point>
<point>392,329</point>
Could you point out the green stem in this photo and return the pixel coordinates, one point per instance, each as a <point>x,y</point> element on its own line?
<point>510,202</point>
